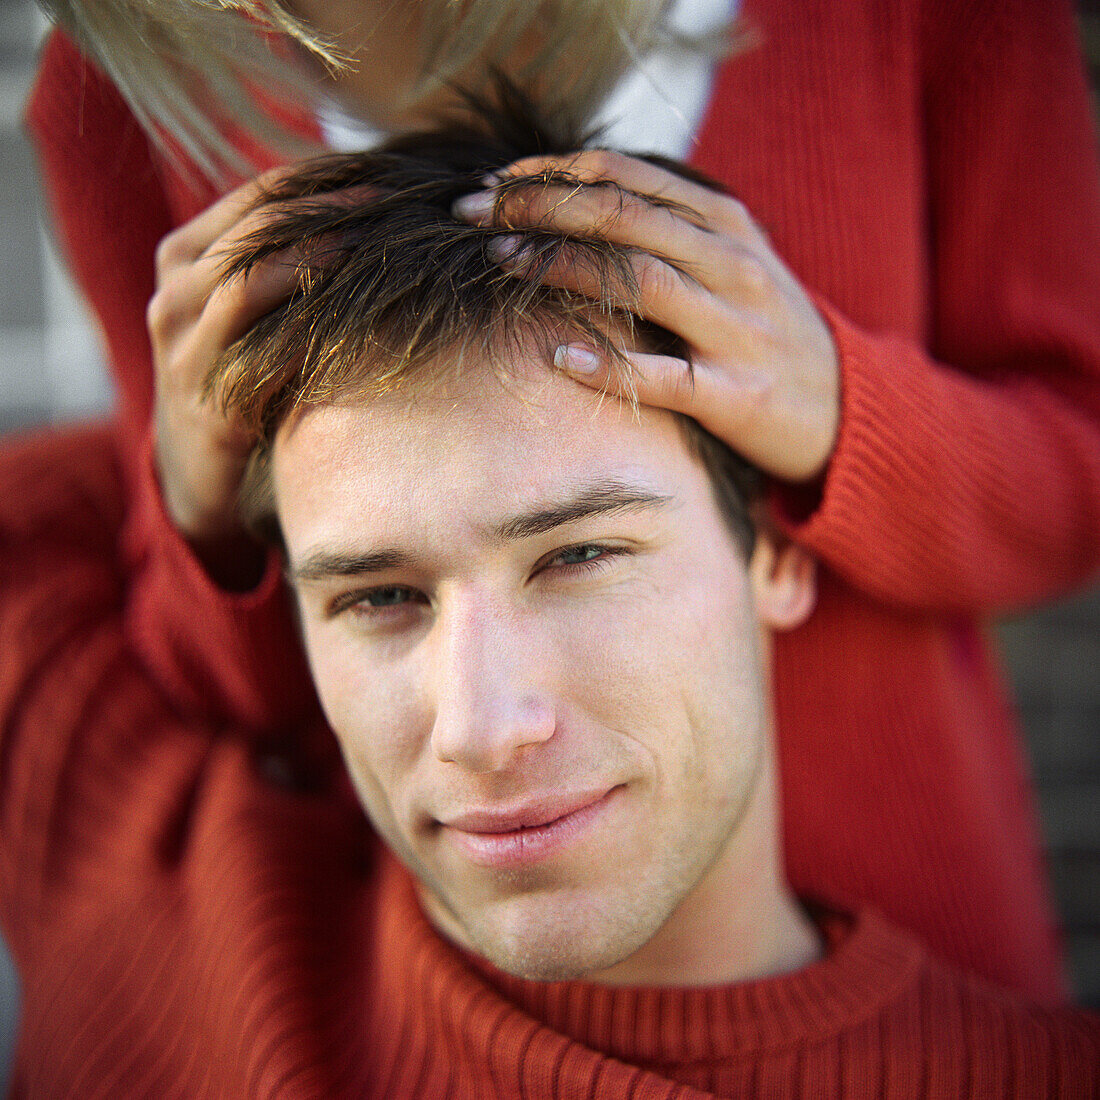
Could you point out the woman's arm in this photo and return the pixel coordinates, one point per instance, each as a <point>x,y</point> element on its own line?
<point>969,477</point>
<point>964,477</point>
<point>228,655</point>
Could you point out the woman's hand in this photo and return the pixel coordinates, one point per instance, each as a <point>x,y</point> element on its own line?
<point>192,318</point>
<point>764,374</point>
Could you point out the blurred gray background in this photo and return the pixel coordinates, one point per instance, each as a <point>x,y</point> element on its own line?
<point>51,371</point>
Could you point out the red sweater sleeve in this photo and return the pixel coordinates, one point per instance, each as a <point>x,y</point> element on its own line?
<point>221,655</point>
<point>108,207</point>
<point>98,746</point>
<point>60,512</point>
<point>976,485</point>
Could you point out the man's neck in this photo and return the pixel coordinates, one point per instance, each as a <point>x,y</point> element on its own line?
<point>722,948</point>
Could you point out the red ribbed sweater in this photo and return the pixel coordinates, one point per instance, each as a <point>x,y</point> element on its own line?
<point>928,169</point>
<point>200,913</point>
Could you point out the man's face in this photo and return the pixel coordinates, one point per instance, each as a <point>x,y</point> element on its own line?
<point>535,640</point>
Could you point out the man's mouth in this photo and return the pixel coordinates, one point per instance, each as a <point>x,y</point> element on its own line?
<point>536,830</point>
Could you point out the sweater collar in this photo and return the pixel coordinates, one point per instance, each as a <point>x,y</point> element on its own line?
<point>867,965</point>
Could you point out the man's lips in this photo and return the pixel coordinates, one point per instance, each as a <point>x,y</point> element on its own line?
<point>535,812</point>
<point>507,836</point>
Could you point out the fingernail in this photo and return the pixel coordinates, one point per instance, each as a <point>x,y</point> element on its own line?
<point>576,360</point>
<point>507,250</point>
<point>474,207</point>
<point>491,179</point>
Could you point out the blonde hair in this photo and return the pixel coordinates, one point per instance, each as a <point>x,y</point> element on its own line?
<point>188,67</point>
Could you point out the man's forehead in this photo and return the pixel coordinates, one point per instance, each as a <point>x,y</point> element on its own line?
<point>525,406</point>
<point>495,447</point>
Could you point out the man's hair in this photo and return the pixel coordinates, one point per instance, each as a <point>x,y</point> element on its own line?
<point>392,290</point>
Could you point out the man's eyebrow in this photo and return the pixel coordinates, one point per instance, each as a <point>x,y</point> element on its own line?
<point>599,499</point>
<point>323,564</point>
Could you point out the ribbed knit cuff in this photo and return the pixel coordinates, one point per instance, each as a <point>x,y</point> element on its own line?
<point>825,512</point>
<point>898,507</point>
<point>227,656</point>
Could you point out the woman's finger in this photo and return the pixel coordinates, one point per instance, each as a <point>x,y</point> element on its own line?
<point>608,212</point>
<point>727,265</point>
<point>187,243</point>
<point>712,208</point>
<point>232,307</point>
<point>733,405</point>
<point>661,381</point>
<point>204,277</point>
<point>664,294</point>
<point>188,293</point>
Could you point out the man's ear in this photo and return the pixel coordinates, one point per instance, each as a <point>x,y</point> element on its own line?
<point>784,581</point>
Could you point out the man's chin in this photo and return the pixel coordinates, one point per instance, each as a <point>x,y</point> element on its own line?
<point>538,938</point>
<point>559,957</point>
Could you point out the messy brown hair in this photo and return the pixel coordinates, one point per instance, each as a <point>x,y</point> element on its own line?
<point>392,290</point>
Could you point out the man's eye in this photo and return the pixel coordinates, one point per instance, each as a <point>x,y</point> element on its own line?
<point>387,598</point>
<point>391,596</point>
<point>585,557</point>
<point>580,555</point>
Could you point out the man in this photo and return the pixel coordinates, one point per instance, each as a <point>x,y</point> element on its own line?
<point>539,624</point>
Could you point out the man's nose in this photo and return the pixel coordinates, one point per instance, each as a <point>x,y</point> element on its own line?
<point>491,698</point>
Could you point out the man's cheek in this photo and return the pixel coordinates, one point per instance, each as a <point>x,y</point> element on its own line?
<point>380,745</point>
<point>370,705</point>
<point>642,630</point>
<point>617,669</point>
